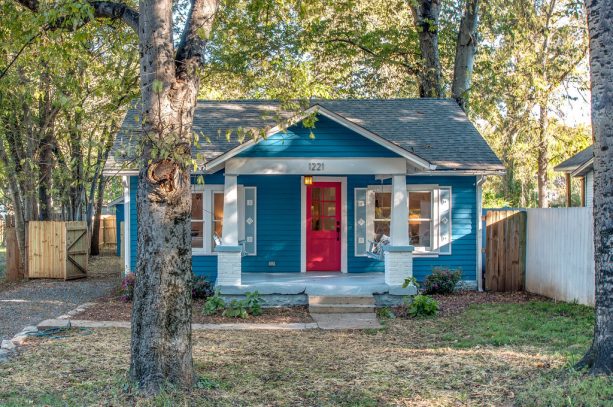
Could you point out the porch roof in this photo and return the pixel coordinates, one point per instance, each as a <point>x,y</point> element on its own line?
<point>434,130</point>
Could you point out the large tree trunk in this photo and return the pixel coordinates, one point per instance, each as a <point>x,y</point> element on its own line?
<point>95,230</point>
<point>543,157</point>
<point>426,16</point>
<point>599,357</point>
<point>45,173</point>
<point>466,47</point>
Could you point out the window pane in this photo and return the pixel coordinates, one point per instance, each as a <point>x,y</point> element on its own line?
<point>315,216</point>
<point>198,235</point>
<point>197,206</point>
<point>420,205</point>
<point>315,194</point>
<point>329,208</point>
<point>383,205</point>
<point>329,194</point>
<point>329,223</point>
<point>218,206</point>
<point>419,233</point>
<point>382,227</point>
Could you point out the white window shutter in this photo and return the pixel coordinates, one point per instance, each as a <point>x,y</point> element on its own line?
<point>249,227</point>
<point>360,225</point>
<point>444,220</point>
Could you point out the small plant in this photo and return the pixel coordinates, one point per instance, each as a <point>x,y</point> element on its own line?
<point>385,313</point>
<point>236,309</point>
<point>214,304</point>
<point>410,281</point>
<point>253,303</point>
<point>442,281</point>
<point>201,289</point>
<point>127,287</point>
<point>422,306</point>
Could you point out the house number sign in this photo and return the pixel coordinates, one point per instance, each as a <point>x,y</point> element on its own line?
<point>316,166</point>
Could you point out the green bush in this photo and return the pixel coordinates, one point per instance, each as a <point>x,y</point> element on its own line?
<point>442,281</point>
<point>422,306</point>
<point>236,309</point>
<point>214,304</point>
<point>201,289</point>
<point>253,303</point>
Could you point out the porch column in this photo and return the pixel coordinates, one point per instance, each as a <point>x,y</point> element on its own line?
<point>399,254</point>
<point>229,252</point>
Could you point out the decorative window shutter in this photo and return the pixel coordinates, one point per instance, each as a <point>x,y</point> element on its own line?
<point>360,224</point>
<point>249,220</point>
<point>444,224</point>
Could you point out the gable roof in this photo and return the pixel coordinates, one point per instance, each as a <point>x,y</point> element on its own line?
<point>432,131</point>
<point>582,162</point>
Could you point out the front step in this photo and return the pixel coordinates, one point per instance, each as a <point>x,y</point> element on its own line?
<point>341,305</point>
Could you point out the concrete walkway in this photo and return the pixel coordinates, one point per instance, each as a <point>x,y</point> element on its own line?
<point>361,320</point>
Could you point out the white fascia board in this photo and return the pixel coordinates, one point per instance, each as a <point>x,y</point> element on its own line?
<point>215,164</point>
<point>579,170</point>
<point>461,172</point>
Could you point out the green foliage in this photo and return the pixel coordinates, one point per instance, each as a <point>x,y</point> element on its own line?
<point>236,309</point>
<point>442,280</point>
<point>422,306</point>
<point>253,303</point>
<point>385,313</point>
<point>214,304</point>
<point>410,281</point>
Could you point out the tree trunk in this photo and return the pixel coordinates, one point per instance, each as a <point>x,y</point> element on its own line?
<point>95,230</point>
<point>426,15</point>
<point>543,157</point>
<point>599,357</point>
<point>466,47</point>
<point>45,171</point>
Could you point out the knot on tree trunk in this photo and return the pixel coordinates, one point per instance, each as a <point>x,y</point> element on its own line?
<point>165,174</point>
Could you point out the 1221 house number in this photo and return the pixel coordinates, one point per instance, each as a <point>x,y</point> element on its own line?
<point>316,166</point>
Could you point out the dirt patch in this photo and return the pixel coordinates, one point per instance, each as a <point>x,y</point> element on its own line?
<point>456,303</point>
<point>110,309</point>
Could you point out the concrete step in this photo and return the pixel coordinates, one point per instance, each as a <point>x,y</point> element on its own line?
<point>340,308</point>
<point>357,300</point>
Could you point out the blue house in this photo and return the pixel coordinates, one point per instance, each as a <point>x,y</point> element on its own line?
<point>375,192</point>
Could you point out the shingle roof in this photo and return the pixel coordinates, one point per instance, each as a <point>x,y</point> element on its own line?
<point>436,130</point>
<point>575,161</point>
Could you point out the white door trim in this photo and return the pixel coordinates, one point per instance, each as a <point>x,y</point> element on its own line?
<point>303,225</point>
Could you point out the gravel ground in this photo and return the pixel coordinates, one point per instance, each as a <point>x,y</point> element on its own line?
<point>33,301</point>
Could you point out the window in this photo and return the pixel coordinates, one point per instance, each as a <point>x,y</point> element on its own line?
<point>198,220</point>
<point>217,227</point>
<point>420,219</point>
<point>427,218</point>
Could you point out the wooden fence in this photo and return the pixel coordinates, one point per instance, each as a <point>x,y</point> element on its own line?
<point>505,250</point>
<point>108,234</point>
<point>560,254</point>
<point>57,249</point>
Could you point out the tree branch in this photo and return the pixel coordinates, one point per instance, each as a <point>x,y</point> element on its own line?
<point>190,52</point>
<point>102,9</point>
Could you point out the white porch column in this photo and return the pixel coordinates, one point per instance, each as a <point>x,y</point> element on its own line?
<point>399,255</point>
<point>229,252</point>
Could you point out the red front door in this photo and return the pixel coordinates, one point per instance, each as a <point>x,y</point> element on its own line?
<point>323,245</point>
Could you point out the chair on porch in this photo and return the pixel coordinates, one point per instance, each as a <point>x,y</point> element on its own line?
<point>376,248</point>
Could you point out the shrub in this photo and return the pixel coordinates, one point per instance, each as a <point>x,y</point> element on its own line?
<point>236,309</point>
<point>442,281</point>
<point>127,287</point>
<point>253,303</point>
<point>201,289</point>
<point>385,313</point>
<point>422,306</point>
<point>213,304</point>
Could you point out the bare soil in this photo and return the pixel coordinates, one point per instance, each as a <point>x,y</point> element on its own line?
<point>456,303</point>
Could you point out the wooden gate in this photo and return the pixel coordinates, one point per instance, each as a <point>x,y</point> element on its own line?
<point>505,250</point>
<point>57,250</point>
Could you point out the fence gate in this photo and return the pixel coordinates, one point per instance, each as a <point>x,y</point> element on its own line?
<point>505,250</point>
<point>77,245</point>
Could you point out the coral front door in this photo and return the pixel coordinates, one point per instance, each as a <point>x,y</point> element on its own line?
<point>323,237</point>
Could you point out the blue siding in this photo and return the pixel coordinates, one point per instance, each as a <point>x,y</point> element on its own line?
<point>133,223</point>
<point>278,226</point>
<point>118,220</point>
<point>330,140</point>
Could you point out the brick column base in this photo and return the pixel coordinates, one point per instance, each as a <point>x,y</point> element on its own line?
<point>228,265</point>
<point>398,264</point>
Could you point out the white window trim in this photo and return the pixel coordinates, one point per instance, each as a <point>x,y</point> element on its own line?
<point>207,191</point>
<point>434,237</point>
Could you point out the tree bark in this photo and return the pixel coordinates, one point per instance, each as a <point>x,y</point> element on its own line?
<point>543,157</point>
<point>599,358</point>
<point>426,16</point>
<point>161,345</point>
<point>95,230</point>
<point>466,46</point>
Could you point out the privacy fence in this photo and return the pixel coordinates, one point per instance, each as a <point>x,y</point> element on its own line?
<point>544,251</point>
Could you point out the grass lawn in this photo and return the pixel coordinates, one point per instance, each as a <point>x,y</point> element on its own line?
<point>490,354</point>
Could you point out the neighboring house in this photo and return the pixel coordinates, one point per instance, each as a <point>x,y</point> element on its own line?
<point>303,204</point>
<point>581,165</point>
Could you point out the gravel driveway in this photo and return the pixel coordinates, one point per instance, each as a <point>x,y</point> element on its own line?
<point>33,301</point>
